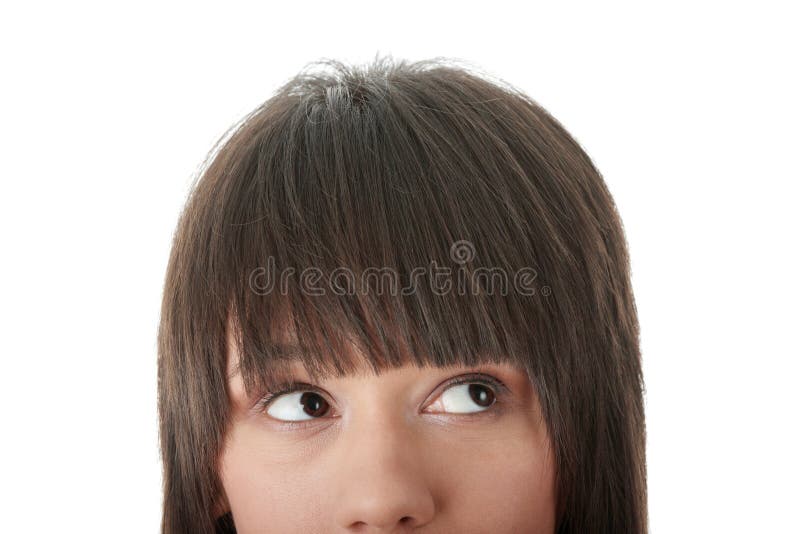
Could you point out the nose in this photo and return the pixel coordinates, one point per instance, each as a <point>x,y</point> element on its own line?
<point>381,482</point>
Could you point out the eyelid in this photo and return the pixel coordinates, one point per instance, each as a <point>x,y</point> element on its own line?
<point>476,377</point>
<point>283,388</point>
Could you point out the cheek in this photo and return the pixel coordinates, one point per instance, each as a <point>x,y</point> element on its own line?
<point>508,483</point>
<point>268,491</point>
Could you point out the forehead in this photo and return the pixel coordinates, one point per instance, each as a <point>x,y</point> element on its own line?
<point>290,358</point>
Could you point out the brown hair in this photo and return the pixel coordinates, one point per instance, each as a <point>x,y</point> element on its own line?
<point>395,165</point>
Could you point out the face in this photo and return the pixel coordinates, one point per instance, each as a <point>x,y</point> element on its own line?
<point>440,450</point>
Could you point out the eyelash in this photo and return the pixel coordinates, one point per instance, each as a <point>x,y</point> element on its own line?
<point>499,389</point>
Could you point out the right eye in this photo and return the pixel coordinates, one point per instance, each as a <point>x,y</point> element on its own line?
<point>297,406</point>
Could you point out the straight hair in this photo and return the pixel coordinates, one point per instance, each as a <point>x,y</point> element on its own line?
<point>390,167</point>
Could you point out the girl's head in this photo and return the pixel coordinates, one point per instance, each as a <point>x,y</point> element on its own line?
<point>399,299</point>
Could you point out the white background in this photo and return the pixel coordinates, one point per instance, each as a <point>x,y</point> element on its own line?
<point>690,112</point>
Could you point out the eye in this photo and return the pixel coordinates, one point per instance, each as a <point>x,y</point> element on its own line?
<point>297,406</point>
<point>297,402</point>
<point>467,395</point>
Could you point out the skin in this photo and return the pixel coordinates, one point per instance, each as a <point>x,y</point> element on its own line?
<point>390,455</point>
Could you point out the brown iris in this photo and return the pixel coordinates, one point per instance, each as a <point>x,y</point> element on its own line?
<point>481,395</point>
<point>313,404</point>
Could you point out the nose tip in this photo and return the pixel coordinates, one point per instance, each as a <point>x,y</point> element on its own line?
<point>384,494</point>
<point>381,516</point>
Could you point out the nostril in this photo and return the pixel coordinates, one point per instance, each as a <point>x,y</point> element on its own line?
<point>360,526</point>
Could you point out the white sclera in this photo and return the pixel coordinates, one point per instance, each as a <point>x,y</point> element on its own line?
<point>287,407</point>
<point>456,399</point>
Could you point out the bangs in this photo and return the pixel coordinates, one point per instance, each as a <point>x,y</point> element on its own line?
<point>396,214</point>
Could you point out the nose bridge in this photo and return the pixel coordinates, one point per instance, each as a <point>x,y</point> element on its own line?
<point>381,474</point>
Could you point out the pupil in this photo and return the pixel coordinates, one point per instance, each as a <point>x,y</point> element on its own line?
<point>313,404</point>
<point>482,395</point>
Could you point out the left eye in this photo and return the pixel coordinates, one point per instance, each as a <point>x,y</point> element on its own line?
<point>465,398</point>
